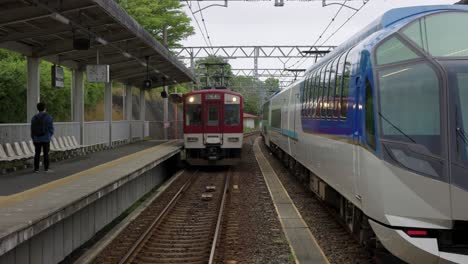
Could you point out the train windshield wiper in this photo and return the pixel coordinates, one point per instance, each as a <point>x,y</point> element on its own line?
<point>397,128</point>
<point>461,133</point>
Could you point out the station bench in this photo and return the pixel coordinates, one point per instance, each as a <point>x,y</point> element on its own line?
<point>19,154</point>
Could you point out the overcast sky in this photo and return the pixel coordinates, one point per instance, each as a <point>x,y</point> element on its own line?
<point>297,23</point>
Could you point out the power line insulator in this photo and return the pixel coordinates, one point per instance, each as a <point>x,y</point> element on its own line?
<point>279,3</point>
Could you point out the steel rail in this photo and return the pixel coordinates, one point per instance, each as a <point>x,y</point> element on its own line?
<point>129,256</point>
<point>217,233</point>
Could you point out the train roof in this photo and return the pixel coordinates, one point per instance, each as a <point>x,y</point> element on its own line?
<point>223,91</point>
<point>389,19</point>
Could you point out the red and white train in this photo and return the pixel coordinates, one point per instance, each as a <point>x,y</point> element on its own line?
<point>213,127</point>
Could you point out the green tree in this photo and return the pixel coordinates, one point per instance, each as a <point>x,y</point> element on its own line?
<point>154,15</point>
<point>12,87</point>
<point>271,85</point>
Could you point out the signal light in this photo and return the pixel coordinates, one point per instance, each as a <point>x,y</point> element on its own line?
<point>147,84</point>
<point>417,233</point>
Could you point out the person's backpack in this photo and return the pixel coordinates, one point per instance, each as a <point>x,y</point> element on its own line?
<point>39,126</point>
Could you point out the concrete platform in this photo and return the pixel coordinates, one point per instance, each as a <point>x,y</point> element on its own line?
<point>24,180</point>
<point>42,220</point>
<point>301,240</point>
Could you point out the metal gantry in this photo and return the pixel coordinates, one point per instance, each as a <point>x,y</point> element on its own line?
<point>239,52</point>
<point>281,52</point>
<point>278,3</point>
<point>268,73</point>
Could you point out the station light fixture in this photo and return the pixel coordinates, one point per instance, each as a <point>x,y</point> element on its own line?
<point>60,18</point>
<point>127,55</point>
<point>102,41</point>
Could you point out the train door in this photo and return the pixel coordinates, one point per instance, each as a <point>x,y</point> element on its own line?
<point>212,122</point>
<point>357,132</point>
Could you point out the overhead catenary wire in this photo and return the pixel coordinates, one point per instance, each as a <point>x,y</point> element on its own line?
<point>341,26</point>
<point>204,25</point>
<point>321,34</point>
<point>344,23</point>
<point>198,24</point>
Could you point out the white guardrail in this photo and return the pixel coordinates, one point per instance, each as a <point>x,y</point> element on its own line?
<point>96,132</point>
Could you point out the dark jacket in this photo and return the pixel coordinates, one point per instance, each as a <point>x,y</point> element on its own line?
<point>49,125</point>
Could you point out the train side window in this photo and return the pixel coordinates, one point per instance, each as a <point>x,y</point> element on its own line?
<point>314,93</point>
<point>393,50</point>
<point>318,100</point>
<point>344,89</point>
<point>276,118</point>
<point>309,90</point>
<point>318,90</point>
<point>370,117</point>
<point>304,97</point>
<point>311,93</point>
<point>339,82</point>
<point>326,88</point>
<point>331,90</point>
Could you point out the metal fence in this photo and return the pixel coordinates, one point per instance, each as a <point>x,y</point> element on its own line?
<point>22,132</point>
<point>96,132</point>
<point>174,131</point>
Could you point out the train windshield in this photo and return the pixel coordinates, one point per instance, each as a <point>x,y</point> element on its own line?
<point>457,72</point>
<point>231,110</point>
<point>193,110</point>
<point>441,35</point>
<point>410,105</point>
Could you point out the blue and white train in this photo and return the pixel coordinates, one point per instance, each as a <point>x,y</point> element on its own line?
<point>379,129</point>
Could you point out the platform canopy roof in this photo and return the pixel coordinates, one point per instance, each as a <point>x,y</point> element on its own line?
<point>47,28</point>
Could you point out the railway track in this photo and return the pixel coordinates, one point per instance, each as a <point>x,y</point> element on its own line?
<point>188,228</point>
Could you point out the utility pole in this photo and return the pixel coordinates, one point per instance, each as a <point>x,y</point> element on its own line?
<point>256,55</point>
<point>165,100</point>
<point>192,67</point>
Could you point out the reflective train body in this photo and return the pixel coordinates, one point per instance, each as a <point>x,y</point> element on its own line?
<point>379,129</point>
<point>213,127</point>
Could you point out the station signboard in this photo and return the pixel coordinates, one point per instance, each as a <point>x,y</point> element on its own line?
<point>97,73</point>
<point>57,77</point>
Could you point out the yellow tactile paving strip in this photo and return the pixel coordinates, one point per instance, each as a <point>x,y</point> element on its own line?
<point>29,194</point>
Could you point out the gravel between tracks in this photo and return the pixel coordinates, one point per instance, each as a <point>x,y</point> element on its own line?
<point>251,231</point>
<point>338,245</point>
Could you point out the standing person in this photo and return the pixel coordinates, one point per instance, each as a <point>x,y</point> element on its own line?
<point>42,130</point>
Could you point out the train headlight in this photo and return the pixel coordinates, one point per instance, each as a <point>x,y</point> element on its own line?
<point>233,139</point>
<point>191,99</point>
<point>192,139</point>
<point>234,99</point>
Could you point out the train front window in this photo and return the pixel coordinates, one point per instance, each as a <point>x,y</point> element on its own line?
<point>231,110</point>
<point>213,115</point>
<point>193,110</point>
<point>457,72</point>
<point>410,106</point>
<point>231,115</point>
<point>441,35</point>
